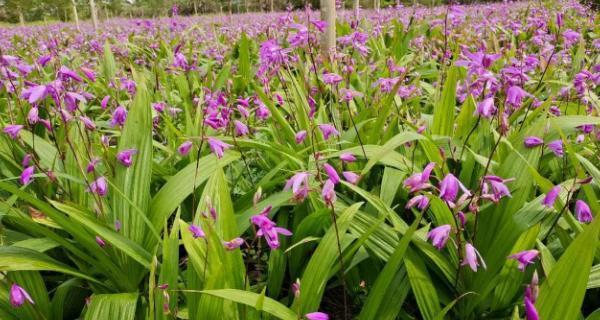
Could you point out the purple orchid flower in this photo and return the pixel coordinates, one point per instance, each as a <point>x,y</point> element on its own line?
<point>531,142</point>
<point>583,212</point>
<point>420,181</point>
<point>18,296</point>
<point>551,196</point>
<point>331,173</point>
<point>472,257</point>
<point>184,148</point>
<point>125,157</point>
<point>27,175</point>
<point>12,130</point>
<point>196,231</point>
<point>439,236</point>
<point>524,258</point>
<point>328,130</point>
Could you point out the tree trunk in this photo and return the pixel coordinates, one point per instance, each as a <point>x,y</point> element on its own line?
<point>377,5</point>
<point>21,18</point>
<point>356,7</point>
<point>272,6</point>
<point>328,37</point>
<point>75,15</point>
<point>94,14</point>
<point>195,8</point>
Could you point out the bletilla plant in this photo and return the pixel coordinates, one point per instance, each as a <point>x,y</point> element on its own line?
<point>442,163</point>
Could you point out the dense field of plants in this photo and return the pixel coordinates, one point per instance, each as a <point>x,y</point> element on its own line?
<point>442,163</point>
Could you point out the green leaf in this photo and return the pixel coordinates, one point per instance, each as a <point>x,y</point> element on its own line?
<point>120,306</point>
<point>422,286</point>
<point>443,113</point>
<point>251,299</point>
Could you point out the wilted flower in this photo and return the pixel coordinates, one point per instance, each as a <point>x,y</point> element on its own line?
<point>18,296</point>
<point>472,257</point>
<point>218,147</point>
<point>439,236</point>
<point>125,157</point>
<point>524,258</point>
<point>583,212</point>
<point>551,196</point>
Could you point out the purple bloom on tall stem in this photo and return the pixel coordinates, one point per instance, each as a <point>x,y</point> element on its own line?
<point>532,141</point>
<point>486,108</point>
<point>524,258</point>
<point>298,183</point>
<point>472,257</point>
<point>449,188</point>
<point>530,310</point>
<point>18,296</point>
<point>420,201</point>
<point>499,188</point>
<point>26,175</point>
<point>125,157</point>
<point>351,177</point>
<point>419,181</point>
<point>300,136</point>
<point>218,147</point>
<point>240,128</point>
<point>66,73</point>
<point>88,123</point>
<point>89,73</point>
<point>99,187</point>
<point>196,231</point>
<point>347,157</point>
<point>12,130</point>
<point>100,241</point>
<point>556,147</point>
<point>331,173</point>
<point>328,130</point>
<point>104,102</point>
<point>515,95</point>
<point>328,192</point>
<point>551,196</point>
<point>185,148</point>
<point>269,230</point>
<point>439,236</point>
<point>35,93</point>
<point>583,212</point>
<point>316,316</point>
<point>332,78</point>
<point>119,116</point>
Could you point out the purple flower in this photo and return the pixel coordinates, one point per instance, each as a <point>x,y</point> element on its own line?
<point>421,201</point>
<point>35,93</point>
<point>33,115</point>
<point>66,73</point>
<point>196,231</point>
<point>328,192</point>
<point>300,136</point>
<point>472,257</point>
<point>88,123</point>
<point>332,78</point>
<point>12,130</point>
<point>556,147</point>
<point>331,173</point>
<point>104,102</point>
<point>499,188</point>
<point>328,130</point>
<point>269,230</point>
<point>420,181</point>
<point>125,157</point>
<point>583,212</point>
<point>240,128</point>
<point>88,73</point>
<point>551,196</point>
<point>449,188</point>
<point>515,95</point>
<point>524,258</point>
<point>530,310</point>
<point>18,296</point>
<point>316,316</point>
<point>185,148</point>
<point>26,160</point>
<point>26,175</point>
<point>91,166</point>
<point>299,185</point>
<point>262,112</point>
<point>233,244</point>
<point>439,236</point>
<point>100,242</point>
<point>119,116</point>
<point>218,147</point>
<point>532,141</point>
<point>486,108</point>
<point>347,157</point>
<point>351,177</point>
<point>99,187</point>
<point>348,95</point>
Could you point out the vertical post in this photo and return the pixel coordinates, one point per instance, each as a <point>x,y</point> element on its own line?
<point>75,15</point>
<point>21,17</point>
<point>272,6</point>
<point>328,37</point>
<point>356,7</point>
<point>377,5</point>
<point>94,14</point>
